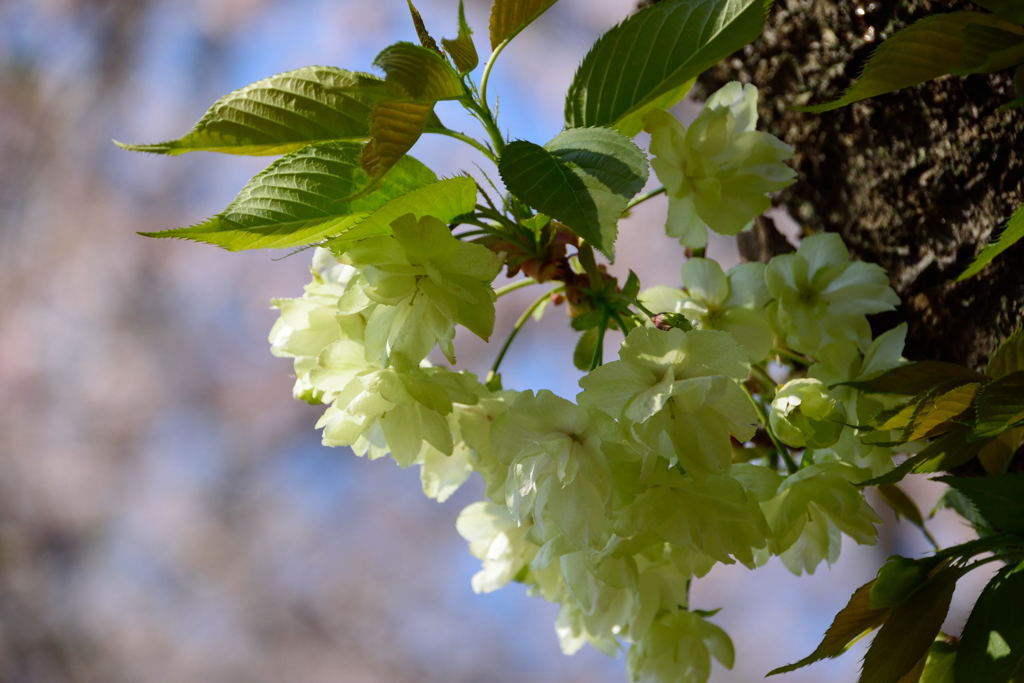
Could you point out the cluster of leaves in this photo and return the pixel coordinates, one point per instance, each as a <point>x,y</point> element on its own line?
<point>972,424</point>
<point>957,43</point>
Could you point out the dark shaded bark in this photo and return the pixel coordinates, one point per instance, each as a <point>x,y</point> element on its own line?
<point>916,181</point>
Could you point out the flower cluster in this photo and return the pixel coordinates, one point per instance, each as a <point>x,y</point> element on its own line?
<point>681,454</point>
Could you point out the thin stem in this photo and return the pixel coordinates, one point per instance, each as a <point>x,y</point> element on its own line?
<point>637,201</point>
<point>931,539</point>
<point>515,332</point>
<point>793,356</point>
<point>472,233</point>
<point>469,140</point>
<point>599,347</point>
<point>781,449</point>
<point>486,119</point>
<point>513,286</point>
<point>765,378</point>
<point>485,77</point>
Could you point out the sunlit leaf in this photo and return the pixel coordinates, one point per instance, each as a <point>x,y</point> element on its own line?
<point>1000,405</point>
<point>461,48</point>
<point>852,622</point>
<point>283,113</point>
<point>936,412</point>
<point>930,47</point>
<point>1009,357</point>
<point>300,199</point>
<point>582,177</point>
<point>426,40</point>
<point>648,60</point>
<point>992,644</point>
<point>395,126</point>
<point>509,17</point>
<point>444,200</point>
<point>1010,235</point>
<point>419,72</point>
<point>909,630</point>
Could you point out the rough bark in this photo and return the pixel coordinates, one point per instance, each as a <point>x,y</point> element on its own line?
<point>916,181</point>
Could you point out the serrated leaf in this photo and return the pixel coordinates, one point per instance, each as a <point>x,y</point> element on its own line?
<point>909,630</point>
<point>1000,405</point>
<point>930,47</point>
<point>444,200</point>
<point>992,644</point>
<point>938,666</point>
<point>937,411</point>
<point>852,622</point>
<point>395,126</point>
<point>283,113</point>
<point>916,378</point>
<point>946,452</point>
<point>301,198</point>
<point>1009,357</point>
<point>509,17</point>
<point>582,177</point>
<point>426,40</point>
<point>998,497</point>
<point>1009,9</point>
<point>898,579</point>
<point>647,60</point>
<point>419,72</point>
<point>1009,236</point>
<point>461,48</point>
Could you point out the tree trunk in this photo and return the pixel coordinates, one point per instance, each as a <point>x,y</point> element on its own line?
<point>916,181</point>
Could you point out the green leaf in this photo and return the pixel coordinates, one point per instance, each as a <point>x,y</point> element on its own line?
<point>509,17</point>
<point>1000,405</point>
<point>898,579</point>
<point>300,199</point>
<point>916,378</point>
<point>395,126</point>
<point>461,49</point>
<point>909,630</point>
<point>582,177</point>
<point>998,497</point>
<point>426,40</point>
<point>283,113</point>
<point>850,624</point>
<point>990,48</point>
<point>946,452</point>
<point>586,347</point>
<point>419,72</point>
<point>1008,9</point>
<point>930,47</point>
<point>444,200</point>
<point>902,504</point>
<point>1010,235</point>
<point>992,644</point>
<point>648,60</point>
<point>938,667</point>
<point>1009,357</point>
<point>936,412</point>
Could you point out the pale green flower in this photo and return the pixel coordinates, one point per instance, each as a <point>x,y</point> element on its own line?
<point>425,281</point>
<point>805,414</point>
<point>820,296</point>
<point>681,393</point>
<point>718,171</point>
<point>678,649</point>
<point>810,510</point>
<point>557,472</point>
<point>711,299</point>
<point>495,539</point>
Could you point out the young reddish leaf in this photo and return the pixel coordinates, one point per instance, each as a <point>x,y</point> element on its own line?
<point>426,40</point>
<point>850,624</point>
<point>910,629</point>
<point>509,17</point>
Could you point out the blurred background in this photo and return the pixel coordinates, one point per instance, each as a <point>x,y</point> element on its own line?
<point>167,513</point>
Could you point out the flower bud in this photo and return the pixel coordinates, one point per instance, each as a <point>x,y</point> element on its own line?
<point>804,414</point>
